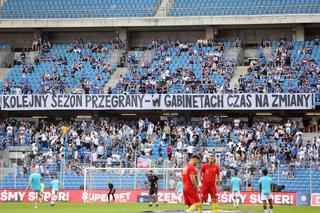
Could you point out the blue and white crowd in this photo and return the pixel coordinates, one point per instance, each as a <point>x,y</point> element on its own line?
<point>246,146</point>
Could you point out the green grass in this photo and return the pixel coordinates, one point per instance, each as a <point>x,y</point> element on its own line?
<point>127,208</point>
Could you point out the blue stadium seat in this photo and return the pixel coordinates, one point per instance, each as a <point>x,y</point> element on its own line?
<point>226,7</point>
<point>68,9</point>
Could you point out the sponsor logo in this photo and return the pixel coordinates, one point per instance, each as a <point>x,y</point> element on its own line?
<point>165,196</point>
<point>315,200</point>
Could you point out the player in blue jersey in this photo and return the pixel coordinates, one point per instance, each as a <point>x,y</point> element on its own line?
<point>235,188</point>
<point>55,187</point>
<point>265,190</point>
<point>34,183</point>
<point>180,191</point>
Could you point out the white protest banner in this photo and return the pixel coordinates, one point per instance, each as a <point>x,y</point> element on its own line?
<point>241,101</point>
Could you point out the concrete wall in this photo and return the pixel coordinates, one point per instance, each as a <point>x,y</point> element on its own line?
<point>210,32</point>
<point>165,21</point>
<point>71,36</point>
<point>299,33</point>
<point>6,60</point>
<point>17,39</point>
<point>312,31</point>
<point>254,35</point>
<point>137,36</point>
<point>251,34</point>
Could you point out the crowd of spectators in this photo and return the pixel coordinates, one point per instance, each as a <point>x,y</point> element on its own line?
<point>291,151</point>
<point>11,87</point>
<point>282,74</point>
<point>246,147</point>
<point>179,67</point>
<point>42,45</point>
<point>57,67</point>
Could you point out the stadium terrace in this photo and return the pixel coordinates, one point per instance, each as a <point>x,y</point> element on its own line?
<point>160,106</point>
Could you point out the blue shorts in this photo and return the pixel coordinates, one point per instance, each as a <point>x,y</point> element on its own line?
<point>37,191</point>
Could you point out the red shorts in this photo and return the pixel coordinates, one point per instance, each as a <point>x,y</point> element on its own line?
<point>190,196</point>
<point>206,190</point>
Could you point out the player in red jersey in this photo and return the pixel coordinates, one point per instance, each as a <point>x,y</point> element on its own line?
<point>209,173</point>
<point>190,188</point>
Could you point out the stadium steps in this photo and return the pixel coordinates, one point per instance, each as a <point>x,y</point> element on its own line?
<point>4,72</point>
<point>29,56</point>
<point>267,52</point>
<point>250,52</point>
<point>114,57</point>
<point>114,79</point>
<point>309,136</point>
<point>4,155</point>
<point>6,167</point>
<point>6,58</point>
<point>163,8</point>
<point>146,57</point>
<point>236,54</point>
<point>240,70</point>
<point>4,172</point>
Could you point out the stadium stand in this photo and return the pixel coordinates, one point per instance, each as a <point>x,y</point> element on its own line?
<point>248,147</point>
<point>41,9</point>
<point>242,7</point>
<point>191,59</point>
<point>63,68</point>
<point>180,67</point>
<point>169,66</point>
<point>176,67</point>
<point>294,68</point>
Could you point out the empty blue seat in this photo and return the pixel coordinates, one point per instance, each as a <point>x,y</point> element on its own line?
<point>226,7</point>
<point>76,9</point>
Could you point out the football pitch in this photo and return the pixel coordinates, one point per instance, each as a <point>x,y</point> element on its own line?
<point>135,208</point>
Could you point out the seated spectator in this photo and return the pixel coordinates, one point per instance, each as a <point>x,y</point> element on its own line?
<point>238,42</point>
<point>317,40</point>
<point>99,77</point>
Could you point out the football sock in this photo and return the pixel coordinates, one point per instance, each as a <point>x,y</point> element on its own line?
<point>192,208</point>
<point>200,209</point>
<point>215,207</point>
